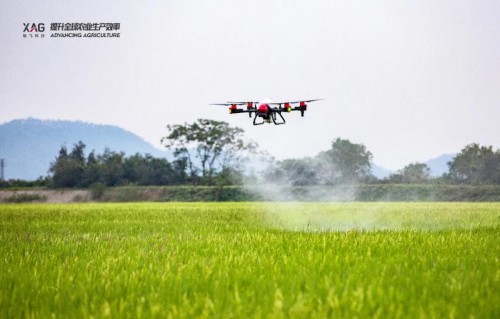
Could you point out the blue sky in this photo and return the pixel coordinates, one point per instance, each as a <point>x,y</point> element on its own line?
<point>409,79</point>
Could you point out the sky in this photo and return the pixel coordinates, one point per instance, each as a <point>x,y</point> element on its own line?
<point>410,80</point>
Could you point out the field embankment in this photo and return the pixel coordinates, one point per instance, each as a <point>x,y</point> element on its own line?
<point>365,192</point>
<point>45,195</point>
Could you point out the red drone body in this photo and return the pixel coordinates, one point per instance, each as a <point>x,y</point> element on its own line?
<point>267,110</point>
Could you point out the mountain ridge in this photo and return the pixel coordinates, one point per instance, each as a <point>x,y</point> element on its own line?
<point>28,146</point>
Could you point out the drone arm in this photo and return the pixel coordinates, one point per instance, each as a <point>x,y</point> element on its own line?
<point>234,111</point>
<point>302,109</point>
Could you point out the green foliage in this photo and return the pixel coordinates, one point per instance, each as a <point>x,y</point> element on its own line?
<point>214,144</point>
<point>349,162</point>
<point>68,169</point>
<point>294,172</point>
<point>415,173</point>
<point>184,260</point>
<point>97,191</point>
<point>344,163</point>
<point>178,194</point>
<point>210,152</point>
<point>359,192</point>
<point>19,184</point>
<point>427,192</point>
<point>229,176</point>
<point>219,149</point>
<point>113,169</point>
<point>476,164</point>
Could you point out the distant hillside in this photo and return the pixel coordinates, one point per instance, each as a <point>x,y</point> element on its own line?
<point>439,165</point>
<point>30,145</point>
<point>380,172</point>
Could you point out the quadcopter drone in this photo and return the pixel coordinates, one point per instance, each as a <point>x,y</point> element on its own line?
<point>267,110</point>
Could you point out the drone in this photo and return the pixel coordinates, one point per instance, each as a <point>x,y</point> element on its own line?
<point>267,110</point>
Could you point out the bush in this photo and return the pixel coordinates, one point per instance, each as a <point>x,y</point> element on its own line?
<point>97,191</point>
<point>364,192</point>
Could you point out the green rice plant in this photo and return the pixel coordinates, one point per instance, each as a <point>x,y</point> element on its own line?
<point>250,260</point>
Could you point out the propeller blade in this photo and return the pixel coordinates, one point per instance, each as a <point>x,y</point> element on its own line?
<point>270,103</point>
<point>307,101</point>
<point>243,103</point>
<point>295,102</point>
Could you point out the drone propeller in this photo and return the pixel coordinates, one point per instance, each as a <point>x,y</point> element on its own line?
<point>307,101</point>
<point>244,103</point>
<point>295,102</point>
<point>236,103</point>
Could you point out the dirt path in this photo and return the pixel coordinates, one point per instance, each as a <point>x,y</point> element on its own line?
<point>46,196</point>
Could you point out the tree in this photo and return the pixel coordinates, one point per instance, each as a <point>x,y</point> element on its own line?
<point>93,170</point>
<point>111,167</point>
<point>294,172</point>
<point>476,164</point>
<point>412,174</point>
<point>345,162</point>
<point>214,145</point>
<point>68,169</point>
<point>229,176</point>
<point>73,169</point>
<point>148,170</point>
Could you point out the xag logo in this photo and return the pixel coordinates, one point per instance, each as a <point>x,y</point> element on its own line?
<point>33,28</point>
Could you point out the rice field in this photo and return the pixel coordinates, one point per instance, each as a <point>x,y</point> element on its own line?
<point>250,260</point>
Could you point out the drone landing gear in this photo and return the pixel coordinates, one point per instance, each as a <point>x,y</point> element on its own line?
<point>269,118</point>
<point>255,120</point>
<point>282,118</point>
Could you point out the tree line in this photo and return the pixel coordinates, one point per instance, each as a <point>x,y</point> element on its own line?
<point>347,162</point>
<point>74,169</point>
<point>208,152</point>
